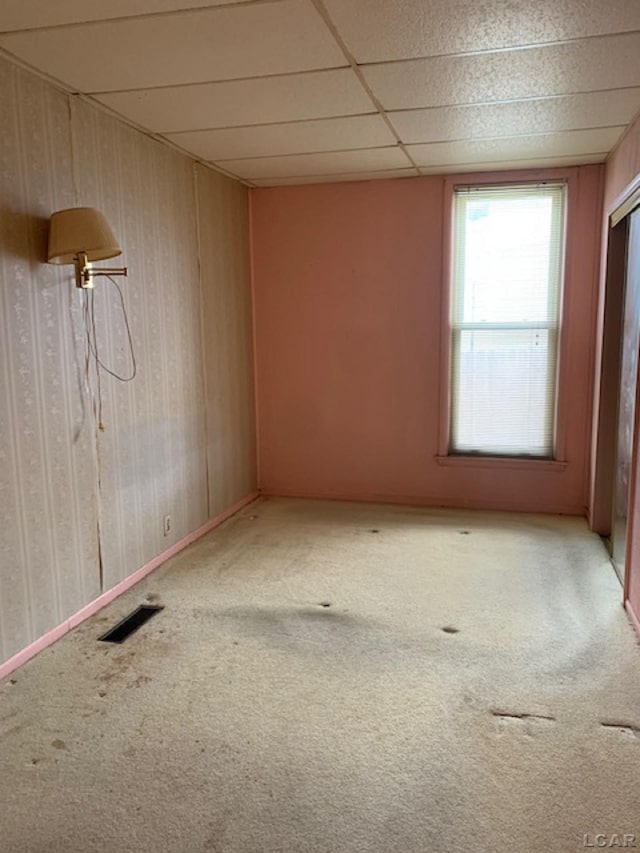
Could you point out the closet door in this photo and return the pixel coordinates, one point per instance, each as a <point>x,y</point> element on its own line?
<point>627,400</point>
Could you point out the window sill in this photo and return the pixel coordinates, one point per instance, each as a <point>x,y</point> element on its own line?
<point>516,462</point>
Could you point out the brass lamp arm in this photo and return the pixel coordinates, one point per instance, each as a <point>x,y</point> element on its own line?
<point>86,272</point>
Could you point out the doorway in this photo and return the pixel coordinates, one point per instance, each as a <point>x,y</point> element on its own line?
<point>627,391</point>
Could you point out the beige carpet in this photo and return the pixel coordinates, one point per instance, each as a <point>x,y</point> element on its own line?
<point>473,686</point>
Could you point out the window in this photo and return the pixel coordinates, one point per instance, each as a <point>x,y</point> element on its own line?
<point>507,273</point>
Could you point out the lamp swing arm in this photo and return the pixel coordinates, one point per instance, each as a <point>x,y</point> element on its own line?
<point>86,272</point>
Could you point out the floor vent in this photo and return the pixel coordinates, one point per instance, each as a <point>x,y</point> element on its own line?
<point>130,623</point>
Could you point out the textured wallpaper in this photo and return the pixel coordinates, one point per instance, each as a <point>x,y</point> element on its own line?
<point>81,507</point>
<point>228,334</point>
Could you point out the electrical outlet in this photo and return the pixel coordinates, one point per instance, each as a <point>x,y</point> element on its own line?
<point>166,525</point>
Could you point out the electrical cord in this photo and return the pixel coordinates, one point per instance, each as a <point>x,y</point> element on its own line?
<point>89,315</point>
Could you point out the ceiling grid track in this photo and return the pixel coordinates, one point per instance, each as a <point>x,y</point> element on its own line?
<point>272,92</point>
<point>322,11</point>
<point>209,7</point>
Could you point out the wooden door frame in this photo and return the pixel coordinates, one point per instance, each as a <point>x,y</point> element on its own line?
<point>607,390</point>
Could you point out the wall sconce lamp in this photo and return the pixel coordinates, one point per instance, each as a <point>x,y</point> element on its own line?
<point>81,235</point>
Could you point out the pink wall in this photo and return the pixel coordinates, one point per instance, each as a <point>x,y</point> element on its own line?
<point>623,174</point>
<point>348,289</point>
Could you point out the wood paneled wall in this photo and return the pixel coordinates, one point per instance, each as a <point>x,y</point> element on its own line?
<point>81,507</point>
<point>223,208</point>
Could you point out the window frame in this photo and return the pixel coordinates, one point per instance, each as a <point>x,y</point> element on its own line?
<point>445,456</point>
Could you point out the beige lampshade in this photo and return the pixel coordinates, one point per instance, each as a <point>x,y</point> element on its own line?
<point>80,229</point>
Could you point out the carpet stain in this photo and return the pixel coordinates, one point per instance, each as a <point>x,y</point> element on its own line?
<point>449,629</point>
<point>216,834</point>
<point>119,666</point>
<point>11,731</point>
<point>472,700</point>
<point>58,744</point>
<point>139,681</point>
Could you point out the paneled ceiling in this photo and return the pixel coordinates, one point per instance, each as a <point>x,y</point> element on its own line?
<point>296,91</point>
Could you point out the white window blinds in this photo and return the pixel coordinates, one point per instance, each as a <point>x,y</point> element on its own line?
<point>507,272</point>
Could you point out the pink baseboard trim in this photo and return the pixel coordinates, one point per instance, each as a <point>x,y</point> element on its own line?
<point>430,502</point>
<point>635,621</point>
<point>107,597</point>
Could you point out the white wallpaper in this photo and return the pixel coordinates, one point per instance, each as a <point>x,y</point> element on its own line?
<point>82,508</point>
<point>223,207</point>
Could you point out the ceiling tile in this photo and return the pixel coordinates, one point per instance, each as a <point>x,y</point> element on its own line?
<point>227,42</point>
<point>333,162</point>
<point>530,163</point>
<point>324,179</point>
<point>569,112</point>
<point>30,14</point>
<point>378,30</point>
<point>569,144</point>
<point>316,94</point>
<point>292,138</point>
<point>581,66</point>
